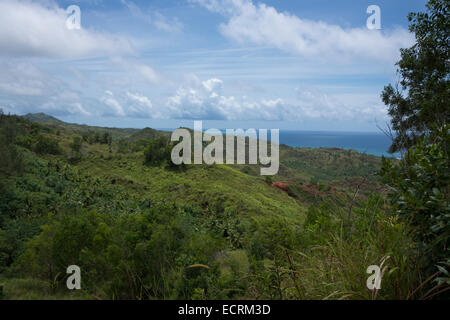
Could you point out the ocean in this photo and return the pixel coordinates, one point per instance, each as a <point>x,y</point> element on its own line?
<point>365,142</point>
<point>374,143</point>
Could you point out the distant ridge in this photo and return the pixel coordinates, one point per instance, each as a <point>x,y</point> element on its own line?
<point>42,117</point>
<point>80,129</point>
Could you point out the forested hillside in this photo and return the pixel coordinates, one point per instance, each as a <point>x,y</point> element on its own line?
<point>88,196</point>
<point>110,201</point>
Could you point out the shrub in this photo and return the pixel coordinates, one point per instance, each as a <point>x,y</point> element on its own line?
<point>157,151</point>
<point>76,145</point>
<point>124,256</point>
<point>327,261</point>
<point>419,192</point>
<point>46,145</point>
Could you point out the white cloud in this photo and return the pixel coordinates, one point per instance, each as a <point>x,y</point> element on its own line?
<point>264,25</point>
<point>212,84</point>
<point>142,106</point>
<point>313,104</point>
<point>165,24</point>
<point>115,108</point>
<point>135,69</point>
<point>202,100</point>
<point>128,104</point>
<point>28,28</point>
<point>25,88</point>
<point>205,101</point>
<point>219,6</point>
<point>156,19</point>
<point>78,109</point>
<point>57,106</point>
<point>22,79</point>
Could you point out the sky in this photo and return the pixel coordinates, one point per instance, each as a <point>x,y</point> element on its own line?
<point>295,65</point>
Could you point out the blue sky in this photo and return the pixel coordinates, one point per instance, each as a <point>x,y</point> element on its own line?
<point>306,65</point>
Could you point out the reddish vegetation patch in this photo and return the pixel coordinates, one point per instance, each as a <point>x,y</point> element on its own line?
<point>337,193</point>
<point>313,190</point>
<point>280,185</point>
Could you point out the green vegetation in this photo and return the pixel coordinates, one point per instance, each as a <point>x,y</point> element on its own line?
<point>423,96</point>
<point>109,201</point>
<point>140,230</point>
<point>157,151</point>
<point>419,184</point>
<point>419,189</point>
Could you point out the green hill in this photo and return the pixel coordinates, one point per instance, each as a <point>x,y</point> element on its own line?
<point>311,172</point>
<point>42,118</point>
<point>147,134</point>
<point>136,229</point>
<point>79,129</point>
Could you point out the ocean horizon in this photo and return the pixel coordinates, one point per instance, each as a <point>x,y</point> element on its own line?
<point>373,143</point>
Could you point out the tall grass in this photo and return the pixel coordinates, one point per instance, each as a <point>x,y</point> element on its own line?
<point>335,250</point>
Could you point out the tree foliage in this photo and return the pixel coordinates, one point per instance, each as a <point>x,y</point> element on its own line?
<point>76,144</point>
<point>419,183</point>
<point>422,99</point>
<point>157,151</point>
<point>419,191</point>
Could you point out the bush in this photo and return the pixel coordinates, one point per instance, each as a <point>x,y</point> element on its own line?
<point>327,261</point>
<point>419,192</point>
<point>157,151</point>
<point>46,145</point>
<point>76,145</point>
<point>124,256</point>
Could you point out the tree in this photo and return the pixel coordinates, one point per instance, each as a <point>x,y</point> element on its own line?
<point>76,145</point>
<point>419,189</point>
<point>106,138</point>
<point>157,151</point>
<point>419,183</point>
<point>423,96</point>
<point>11,160</point>
<point>46,145</point>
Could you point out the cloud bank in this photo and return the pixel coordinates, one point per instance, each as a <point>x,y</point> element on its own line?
<point>119,86</point>
<point>205,100</point>
<point>263,25</point>
<point>30,29</point>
